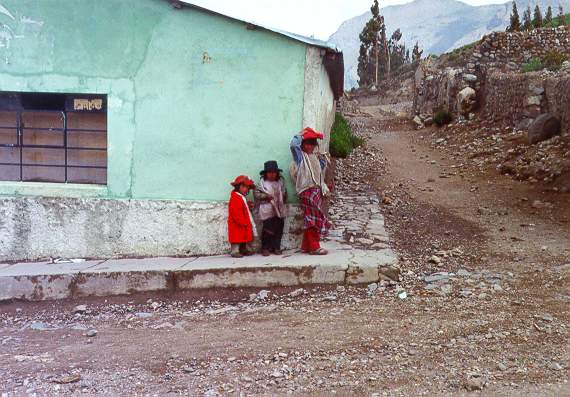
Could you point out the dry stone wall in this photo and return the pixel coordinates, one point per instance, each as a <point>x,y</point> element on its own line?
<point>438,89</point>
<point>512,98</point>
<point>518,99</point>
<point>494,71</point>
<point>557,92</point>
<point>510,50</point>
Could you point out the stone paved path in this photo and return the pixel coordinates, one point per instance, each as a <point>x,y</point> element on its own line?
<point>358,221</point>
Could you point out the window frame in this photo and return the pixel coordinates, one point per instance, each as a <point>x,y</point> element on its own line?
<point>16,104</point>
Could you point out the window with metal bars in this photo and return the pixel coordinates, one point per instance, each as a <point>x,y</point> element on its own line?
<point>60,138</point>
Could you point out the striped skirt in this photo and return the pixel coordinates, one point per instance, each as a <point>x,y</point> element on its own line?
<point>313,215</point>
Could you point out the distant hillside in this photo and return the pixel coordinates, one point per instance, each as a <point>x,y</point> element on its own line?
<point>438,25</point>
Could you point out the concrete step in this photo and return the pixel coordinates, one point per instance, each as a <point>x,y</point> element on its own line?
<point>46,281</point>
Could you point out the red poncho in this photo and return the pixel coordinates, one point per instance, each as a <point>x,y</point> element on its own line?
<point>240,228</point>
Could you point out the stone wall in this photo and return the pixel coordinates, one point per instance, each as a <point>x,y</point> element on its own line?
<point>557,92</point>
<point>438,89</point>
<point>517,99</point>
<point>511,98</point>
<point>510,50</point>
<point>493,70</point>
<point>38,228</point>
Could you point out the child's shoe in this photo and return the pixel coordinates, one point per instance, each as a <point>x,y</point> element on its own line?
<point>278,252</point>
<point>265,252</point>
<point>237,255</point>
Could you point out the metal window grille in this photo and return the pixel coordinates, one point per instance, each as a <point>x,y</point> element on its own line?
<point>67,153</point>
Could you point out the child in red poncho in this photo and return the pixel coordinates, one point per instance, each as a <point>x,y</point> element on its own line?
<point>241,228</point>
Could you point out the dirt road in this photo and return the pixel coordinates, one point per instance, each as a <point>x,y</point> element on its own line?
<point>486,307</point>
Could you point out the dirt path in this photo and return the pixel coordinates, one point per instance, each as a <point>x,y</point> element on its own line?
<point>499,206</point>
<point>486,307</point>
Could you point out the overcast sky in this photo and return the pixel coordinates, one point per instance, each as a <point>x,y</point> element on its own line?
<point>320,18</point>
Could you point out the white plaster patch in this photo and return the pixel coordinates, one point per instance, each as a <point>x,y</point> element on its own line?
<point>30,21</point>
<point>319,103</point>
<point>4,10</point>
<point>6,36</point>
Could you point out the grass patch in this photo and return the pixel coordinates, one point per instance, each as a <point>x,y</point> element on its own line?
<point>466,47</point>
<point>442,118</point>
<point>343,140</point>
<point>534,65</point>
<point>553,60</point>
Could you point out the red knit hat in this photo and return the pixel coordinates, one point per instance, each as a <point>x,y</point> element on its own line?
<point>309,133</point>
<point>243,180</point>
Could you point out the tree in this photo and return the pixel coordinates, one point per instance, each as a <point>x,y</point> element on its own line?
<point>527,19</point>
<point>379,56</point>
<point>364,61</point>
<point>396,52</point>
<point>561,16</point>
<point>384,45</point>
<point>377,26</point>
<point>548,17</point>
<point>370,45</point>
<point>537,20</point>
<point>515,25</point>
<point>363,66</point>
<point>417,53</point>
<point>373,48</point>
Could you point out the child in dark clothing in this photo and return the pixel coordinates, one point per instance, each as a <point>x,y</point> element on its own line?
<point>271,198</point>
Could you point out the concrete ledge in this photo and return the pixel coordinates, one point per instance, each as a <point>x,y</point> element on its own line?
<point>34,228</point>
<point>46,281</point>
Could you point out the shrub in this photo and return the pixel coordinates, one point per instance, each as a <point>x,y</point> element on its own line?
<point>343,140</point>
<point>534,65</point>
<point>442,117</point>
<point>553,60</point>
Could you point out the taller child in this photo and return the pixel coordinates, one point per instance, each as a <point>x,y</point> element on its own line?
<point>308,173</point>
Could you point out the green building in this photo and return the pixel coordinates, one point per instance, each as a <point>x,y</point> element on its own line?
<point>122,122</point>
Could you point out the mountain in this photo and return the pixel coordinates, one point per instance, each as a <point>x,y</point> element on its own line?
<point>438,25</point>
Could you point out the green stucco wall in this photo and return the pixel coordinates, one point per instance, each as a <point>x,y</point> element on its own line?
<point>193,99</point>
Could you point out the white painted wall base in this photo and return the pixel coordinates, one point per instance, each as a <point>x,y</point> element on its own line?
<point>33,228</point>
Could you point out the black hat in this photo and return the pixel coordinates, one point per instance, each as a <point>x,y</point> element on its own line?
<point>270,166</point>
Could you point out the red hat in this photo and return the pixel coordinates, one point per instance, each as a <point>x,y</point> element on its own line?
<point>309,133</point>
<point>243,180</point>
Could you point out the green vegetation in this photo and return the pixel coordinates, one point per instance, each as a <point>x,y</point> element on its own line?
<point>467,47</point>
<point>343,140</point>
<point>382,56</point>
<point>532,21</point>
<point>534,65</point>
<point>552,61</point>
<point>556,21</point>
<point>515,25</point>
<point>459,53</point>
<point>442,118</point>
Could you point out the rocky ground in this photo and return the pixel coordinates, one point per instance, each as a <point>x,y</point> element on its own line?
<point>482,303</point>
<point>481,145</point>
